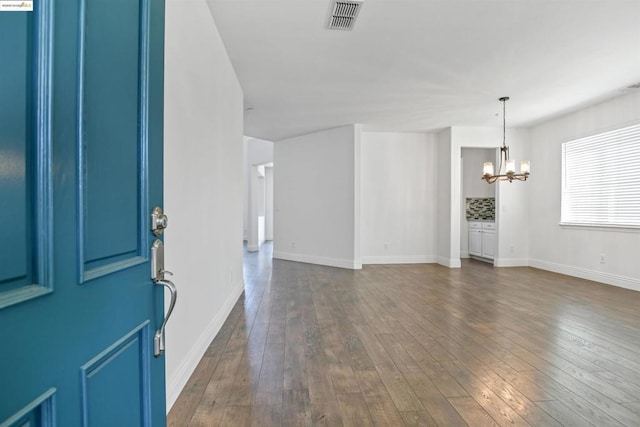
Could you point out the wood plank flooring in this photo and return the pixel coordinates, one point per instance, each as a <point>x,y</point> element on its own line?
<point>418,345</point>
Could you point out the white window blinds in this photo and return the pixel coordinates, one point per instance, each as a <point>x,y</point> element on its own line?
<point>601,179</point>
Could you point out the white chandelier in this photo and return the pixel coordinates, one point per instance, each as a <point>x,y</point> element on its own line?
<point>510,165</point>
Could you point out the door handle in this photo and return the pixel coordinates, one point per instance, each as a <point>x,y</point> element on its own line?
<point>158,338</point>
<point>157,275</point>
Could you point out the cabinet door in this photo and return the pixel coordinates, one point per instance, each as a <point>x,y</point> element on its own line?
<point>475,242</point>
<point>488,244</point>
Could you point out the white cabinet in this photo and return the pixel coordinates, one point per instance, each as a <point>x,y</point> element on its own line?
<point>482,239</point>
<point>488,243</point>
<point>475,240</point>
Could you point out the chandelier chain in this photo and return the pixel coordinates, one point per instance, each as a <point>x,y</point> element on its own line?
<point>504,122</point>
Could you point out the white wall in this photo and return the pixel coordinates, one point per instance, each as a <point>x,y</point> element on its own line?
<point>316,198</point>
<point>472,184</point>
<point>398,197</point>
<point>443,242</point>
<point>268,219</point>
<point>577,250</point>
<point>203,185</point>
<point>513,205</point>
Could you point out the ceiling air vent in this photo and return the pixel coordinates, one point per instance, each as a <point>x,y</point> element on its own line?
<point>344,14</point>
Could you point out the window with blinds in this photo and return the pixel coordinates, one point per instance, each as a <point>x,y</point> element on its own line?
<point>601,179</point>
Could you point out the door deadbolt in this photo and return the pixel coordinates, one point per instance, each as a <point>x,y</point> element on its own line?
<point>159,221</point>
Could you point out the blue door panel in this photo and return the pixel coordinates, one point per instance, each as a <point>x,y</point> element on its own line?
<point>81,134</point>
<point>119,375</point>
<point>15,91</point>
<point>110,137</point>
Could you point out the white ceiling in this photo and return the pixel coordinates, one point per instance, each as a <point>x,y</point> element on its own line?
<point>422,65</point>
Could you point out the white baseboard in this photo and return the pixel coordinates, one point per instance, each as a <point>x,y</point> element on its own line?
<point>449,262</point>
<point>314,259</point>
<point>583,273</point>
<point>511,262</point>
<point>191,360</point>
<point>417,259</point>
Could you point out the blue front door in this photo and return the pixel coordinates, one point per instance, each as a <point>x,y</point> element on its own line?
<point>81,105</point>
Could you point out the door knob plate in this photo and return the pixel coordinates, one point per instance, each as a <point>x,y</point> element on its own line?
<point>159,221</point>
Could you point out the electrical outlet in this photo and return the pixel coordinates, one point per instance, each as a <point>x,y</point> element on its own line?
<point>293,245</point>
<point>386,246</point>
<point>602,258</point>
<point>512,249</point>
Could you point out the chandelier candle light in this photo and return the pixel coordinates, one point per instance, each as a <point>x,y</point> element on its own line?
<point>510,165</point>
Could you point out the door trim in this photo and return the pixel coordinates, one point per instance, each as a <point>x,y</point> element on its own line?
<point>45,404</point>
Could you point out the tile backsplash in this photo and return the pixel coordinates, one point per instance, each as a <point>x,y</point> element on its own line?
<point>481,208</point>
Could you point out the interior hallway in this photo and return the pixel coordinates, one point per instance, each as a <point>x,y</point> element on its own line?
<point>418,345</point>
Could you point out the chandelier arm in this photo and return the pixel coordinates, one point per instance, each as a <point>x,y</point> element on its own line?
<point>505,177</point>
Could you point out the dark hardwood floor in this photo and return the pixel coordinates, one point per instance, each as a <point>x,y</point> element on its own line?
<point>418,345</point>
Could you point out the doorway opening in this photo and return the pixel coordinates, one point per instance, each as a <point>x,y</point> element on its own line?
<point>478,219</point>
<point>258,193</point>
